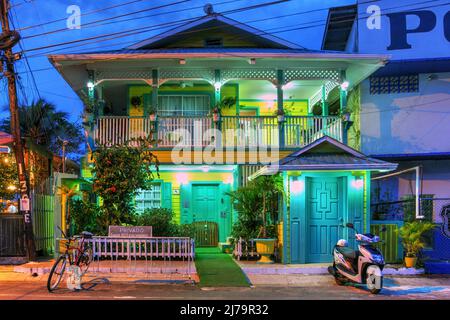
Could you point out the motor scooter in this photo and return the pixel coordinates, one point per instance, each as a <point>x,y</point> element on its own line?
<point>364,265</point>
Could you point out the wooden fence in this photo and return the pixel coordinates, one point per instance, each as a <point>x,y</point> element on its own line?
<point>12,236</point>
<point>43,222</point>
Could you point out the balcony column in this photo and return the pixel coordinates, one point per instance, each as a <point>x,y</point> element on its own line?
<point>280,108</point>
<point>217,99</point>
<point>325,111</point>
<point>346,124</point>
<point>91,112</point>
<point>155,89</point>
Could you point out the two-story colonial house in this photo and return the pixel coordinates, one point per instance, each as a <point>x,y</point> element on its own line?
<point>279,105</point>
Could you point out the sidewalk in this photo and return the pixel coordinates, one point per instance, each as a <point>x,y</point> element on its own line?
<point>253,268</point>
<point>114,271</point>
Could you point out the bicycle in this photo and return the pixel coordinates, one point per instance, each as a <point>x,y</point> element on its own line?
<point>81,257</point>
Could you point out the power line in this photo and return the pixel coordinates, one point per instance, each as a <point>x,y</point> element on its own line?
<point>25,56</point>
<point>107,19</point>
<point>263,32</point>
<point>81,15</point>
<point>133,31</point>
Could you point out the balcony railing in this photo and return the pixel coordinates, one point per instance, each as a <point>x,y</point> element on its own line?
<point>230,131</point>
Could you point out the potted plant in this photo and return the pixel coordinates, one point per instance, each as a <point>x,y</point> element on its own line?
<point>226,102</point>
<point>411,234</point>
<point>152,113</point>
<point>346,115</point>
<point>257,206</point>
<point>270,188</point>
<point>136,101</point>
<point>216,113</point>
<point>280,115</point>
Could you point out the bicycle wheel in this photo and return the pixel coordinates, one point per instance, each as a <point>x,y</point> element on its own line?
<point>56,274</point>
<point>85,260</point>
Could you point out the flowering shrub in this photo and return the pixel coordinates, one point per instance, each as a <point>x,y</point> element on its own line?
<point>120,171</point>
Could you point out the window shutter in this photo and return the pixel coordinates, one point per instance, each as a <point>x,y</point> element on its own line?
<point>167,195</point>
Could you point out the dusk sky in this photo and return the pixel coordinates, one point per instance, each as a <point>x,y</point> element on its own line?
<point>37,13</point>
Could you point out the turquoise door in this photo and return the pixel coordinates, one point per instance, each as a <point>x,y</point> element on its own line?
<point>324,212</point>
<point>209,203</point>
<point>205,202</point>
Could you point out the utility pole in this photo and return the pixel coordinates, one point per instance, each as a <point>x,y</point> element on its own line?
<point>10,39</point>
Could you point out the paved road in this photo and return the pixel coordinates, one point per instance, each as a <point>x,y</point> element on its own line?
<point>317,287</point>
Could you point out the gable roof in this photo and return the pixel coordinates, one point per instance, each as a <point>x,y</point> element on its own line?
<point>215,21</point>
<point>326,153</point>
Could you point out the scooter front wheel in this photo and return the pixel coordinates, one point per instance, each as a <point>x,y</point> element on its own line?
<point>374,279</point>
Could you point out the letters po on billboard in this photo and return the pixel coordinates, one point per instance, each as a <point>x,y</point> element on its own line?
<point>399,28</point>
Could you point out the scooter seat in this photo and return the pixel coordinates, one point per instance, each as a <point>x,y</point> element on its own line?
<point>347,252</point>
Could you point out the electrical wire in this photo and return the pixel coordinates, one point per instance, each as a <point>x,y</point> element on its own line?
<point>107,19</point>
<point>81,15</point>
<point>140,30</point>
<point>289,28</point>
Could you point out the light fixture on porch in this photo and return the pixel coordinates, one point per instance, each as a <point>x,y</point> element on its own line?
<point>228,180</point>
<point>358,183</point>
<point>182,178</point>
<point>90,85</point>
<point>217,86</point>
<point>252,61</point>
<point>297,186</point>
<point>182,61</point>
<point>345,85</point>
<point>288,85</point>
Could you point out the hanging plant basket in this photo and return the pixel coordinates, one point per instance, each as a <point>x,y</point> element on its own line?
<point>136,101</point>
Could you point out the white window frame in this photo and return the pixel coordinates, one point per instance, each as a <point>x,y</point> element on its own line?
<point>182,110</point>
<point>153,202</point>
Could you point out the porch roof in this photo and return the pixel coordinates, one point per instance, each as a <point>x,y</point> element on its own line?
<point>222,52</point>
<point>326,153</point>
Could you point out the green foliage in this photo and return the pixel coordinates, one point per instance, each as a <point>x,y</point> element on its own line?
<point>412,236</point>
<point>257,207</point>
<point>354,106</point>
<point>85,216</point>
<point>226,102</point>
<point>120,171</point>
<point>161,220</point>
<point>9,177</point>
<point>47,127</point>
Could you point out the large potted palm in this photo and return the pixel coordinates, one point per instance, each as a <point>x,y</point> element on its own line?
<point>257,206</point>
<point>412,239</point>
<point>270,188</point>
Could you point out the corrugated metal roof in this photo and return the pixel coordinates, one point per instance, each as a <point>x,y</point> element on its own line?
<point>326,153</point>
<point>204,50</point>
<point>331,158</point>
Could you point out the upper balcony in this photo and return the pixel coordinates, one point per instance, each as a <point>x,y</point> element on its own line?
<point>227,131</point>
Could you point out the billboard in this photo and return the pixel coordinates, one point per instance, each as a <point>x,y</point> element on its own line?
<point>404,29</point>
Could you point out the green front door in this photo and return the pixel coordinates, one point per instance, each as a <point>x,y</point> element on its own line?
<point>206,204</point>
<point>324,212</point>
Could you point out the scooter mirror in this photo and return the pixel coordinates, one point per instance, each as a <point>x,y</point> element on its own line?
<point>349,225</point>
